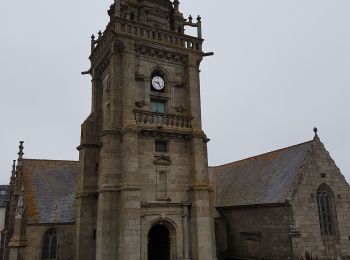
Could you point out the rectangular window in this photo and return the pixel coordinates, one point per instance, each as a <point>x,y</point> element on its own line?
<point>161,147</point>
<point>157,106</point>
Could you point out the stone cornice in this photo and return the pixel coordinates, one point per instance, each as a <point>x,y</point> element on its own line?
<point>160,54</point>
<point>167,204</point>
<point>119,188</point>
<point>200,187</point>
<point>103,46</point>
<point>110,132</point>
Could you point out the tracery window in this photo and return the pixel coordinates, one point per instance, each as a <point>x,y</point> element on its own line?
<point>326,210</point>
<point>50,244</point>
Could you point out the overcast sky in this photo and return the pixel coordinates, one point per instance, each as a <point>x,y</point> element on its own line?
<point>280,68</point>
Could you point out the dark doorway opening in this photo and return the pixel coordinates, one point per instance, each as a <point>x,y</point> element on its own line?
<point>158,243</point>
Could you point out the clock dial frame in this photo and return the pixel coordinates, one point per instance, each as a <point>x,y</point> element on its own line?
<point>158,83</point>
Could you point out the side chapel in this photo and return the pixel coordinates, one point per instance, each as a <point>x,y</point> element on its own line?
<point>142,188</point>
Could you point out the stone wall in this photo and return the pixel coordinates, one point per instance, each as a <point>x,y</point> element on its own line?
<point>321,169</point>
<point>257,232</point>
<point>65,235</point>
<point>2,217</point>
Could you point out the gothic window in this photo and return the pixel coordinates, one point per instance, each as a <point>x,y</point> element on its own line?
<point>50,243</point>
<point>326,210</point>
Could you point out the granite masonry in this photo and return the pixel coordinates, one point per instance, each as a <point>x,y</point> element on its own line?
<point>142,188</point>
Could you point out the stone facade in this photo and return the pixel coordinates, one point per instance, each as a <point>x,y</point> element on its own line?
<point>269,206</point>
<point>142,189</point>
<point>4,194</point>
<point>42,198</point>
<point>258,232</point>
<point>320,169</point>
<point>127,186</point>
<point>35,234</point>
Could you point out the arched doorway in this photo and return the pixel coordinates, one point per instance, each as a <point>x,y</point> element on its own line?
<point>159,243</point>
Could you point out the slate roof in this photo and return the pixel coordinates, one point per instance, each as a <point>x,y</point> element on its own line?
<point>4,189</point>
<point>263,179</point>
<point>50,188</point>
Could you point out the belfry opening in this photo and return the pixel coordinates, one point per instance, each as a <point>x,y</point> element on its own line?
<point>159,243</point>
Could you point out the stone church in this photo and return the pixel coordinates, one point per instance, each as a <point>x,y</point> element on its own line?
<point>142,188</point>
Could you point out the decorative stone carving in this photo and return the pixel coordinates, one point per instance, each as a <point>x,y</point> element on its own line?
<point>164,135</point>
<point>294,230</point>
<point>180,109</point>
<point>162,160</point>
<point>159,53</point>
<point>20,204</point>
<point>140,103</point>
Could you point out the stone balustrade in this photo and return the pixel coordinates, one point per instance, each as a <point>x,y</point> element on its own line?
<point>143,31</point>
<point>151,33</point>
<point>162,119</point>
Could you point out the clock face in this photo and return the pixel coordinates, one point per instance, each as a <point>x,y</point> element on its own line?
<point>158,83</point>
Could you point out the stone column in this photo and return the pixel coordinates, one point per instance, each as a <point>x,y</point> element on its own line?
<point>110,170</point>
<point>18,240</point>
<point>194,90</point>
<point>88,179</point>
<point>172,243</point>
<point>201,222</point>
<point>130,204</point>
<point>186,245</point>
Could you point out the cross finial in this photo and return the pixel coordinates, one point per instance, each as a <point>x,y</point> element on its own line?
<point>316,135</point>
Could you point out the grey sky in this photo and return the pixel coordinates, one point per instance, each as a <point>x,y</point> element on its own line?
<point>280,68</point>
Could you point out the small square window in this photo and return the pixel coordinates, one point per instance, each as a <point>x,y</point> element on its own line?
<point>161,147</point>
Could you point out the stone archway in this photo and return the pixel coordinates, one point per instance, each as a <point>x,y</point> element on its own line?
<point>161,242</point>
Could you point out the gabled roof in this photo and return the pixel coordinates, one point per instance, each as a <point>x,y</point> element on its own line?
<point>49,190</point>
<point>263,179</point>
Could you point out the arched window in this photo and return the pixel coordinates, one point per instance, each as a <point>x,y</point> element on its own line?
<point>326,210</point>
<point>50,243</point>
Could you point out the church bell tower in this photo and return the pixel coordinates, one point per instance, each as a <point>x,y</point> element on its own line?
<point>143,191</point>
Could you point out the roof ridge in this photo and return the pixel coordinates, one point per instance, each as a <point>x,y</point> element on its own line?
<point>256,156</point>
